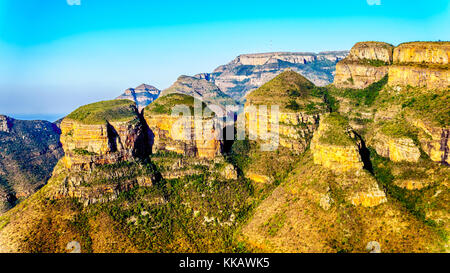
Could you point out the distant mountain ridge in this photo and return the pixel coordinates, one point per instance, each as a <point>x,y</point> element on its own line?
<point>250,71</point>
<point>205,90</point>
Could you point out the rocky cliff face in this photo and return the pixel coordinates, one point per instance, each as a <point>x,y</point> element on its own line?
<point>397,149</point>
<point>299,111</point>
<point>336,147</point>
<point>167,134</point>
<point>250,71</point>
<point>367,63</point>
<point>28,152</point>
<point>423,52</point>
<point>120,136</point>
<point>433,140</point>
<point>421,64</point>
<point>142,95</point>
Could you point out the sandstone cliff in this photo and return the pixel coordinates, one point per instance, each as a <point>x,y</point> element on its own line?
<point>367,63</point>
<point>421,64</point>
<point>250,71</point>
<point>298,115</point>
<point>102,133</point>
<point>167,134</point>
<point>142,95</point>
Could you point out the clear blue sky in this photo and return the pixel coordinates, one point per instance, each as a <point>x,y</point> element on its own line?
<point>55,57</point>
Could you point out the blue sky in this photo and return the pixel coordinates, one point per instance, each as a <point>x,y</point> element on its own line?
<point>55,57</point>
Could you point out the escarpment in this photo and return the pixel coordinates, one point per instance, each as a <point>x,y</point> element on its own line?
<point>203,90</point>
<point>367,63</point>
<point>421,64</point>
<point>250,71</point>
<point>316,169</point>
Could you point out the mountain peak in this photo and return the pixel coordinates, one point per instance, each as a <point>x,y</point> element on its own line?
<point>146,86</point>
<point>142,95</point>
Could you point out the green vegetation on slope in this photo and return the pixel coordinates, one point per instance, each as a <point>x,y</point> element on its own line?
<point>290,90</point>
<point>165,104</point>
<point>336,130</point>
<point>421,203</point>
<point>105,111</point>
<point>366,96</point>
<point>196,213</point>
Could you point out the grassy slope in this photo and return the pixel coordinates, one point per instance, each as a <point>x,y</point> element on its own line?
<point>291,91</point>
<point>165,104</point>
<point>100,112</point>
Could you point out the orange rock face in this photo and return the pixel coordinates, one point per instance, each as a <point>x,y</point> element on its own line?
<point>367,63</point>
<point>421,64</point>
<point>169,134</point>
<point>86,145</point>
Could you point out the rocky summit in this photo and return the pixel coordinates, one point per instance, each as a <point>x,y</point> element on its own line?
<point>142,95</point>
<point>250,71</point>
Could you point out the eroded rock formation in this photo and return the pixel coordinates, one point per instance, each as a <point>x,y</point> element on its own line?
<point>196,136</point>
<point>421,64</point>
<point>142,95</point>
<point>336,147</point>
<point>367,63</point>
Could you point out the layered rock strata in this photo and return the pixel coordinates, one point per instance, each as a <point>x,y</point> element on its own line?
<point>367,63</point>
<point>421,64</point>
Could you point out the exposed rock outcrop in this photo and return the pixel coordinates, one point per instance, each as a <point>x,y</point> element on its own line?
<point>423,52</point>
<point>396,149</point>
<point>433,140</point>
<point>421,64</point>
<point>427,77</point>
<point>250,71</point>
<point>298,115</point>
<point>340,154</point>
<point>367,63</point>
<point>168,134</point>
<point>336,147</point>
<point>142,95</point>
<point>99,185</point>
<point>118,135</point>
